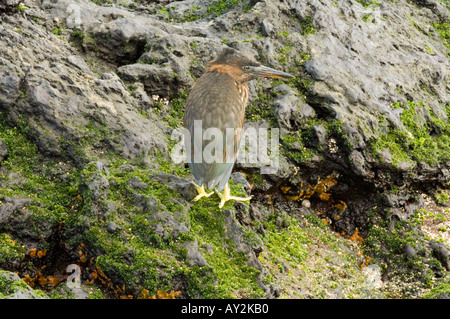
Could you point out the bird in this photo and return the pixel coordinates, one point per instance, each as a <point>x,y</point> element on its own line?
<point>216,105</point>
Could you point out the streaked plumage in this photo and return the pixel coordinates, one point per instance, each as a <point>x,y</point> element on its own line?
<point>218,100</point>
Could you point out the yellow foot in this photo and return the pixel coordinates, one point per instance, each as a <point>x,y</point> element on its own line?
<point>201,193</point>
<point>226,197</point>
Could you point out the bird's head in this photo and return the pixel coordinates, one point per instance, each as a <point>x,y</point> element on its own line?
<point>241,67</point>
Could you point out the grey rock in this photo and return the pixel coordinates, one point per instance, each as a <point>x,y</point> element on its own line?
<point>3,150</point>
<point>266,28</point>
<point>112,227</point>
<point>441,253</point>
<point>184,187</point>
<point>239,178</point>
<point>79,63</point>
<point>166,224</point>
<point>9,5</point>
<point>319,135</point>
<point>410,251</point>
<point>9,205</point>
<point>358,164</point>
<point>289,109</point>
<point>135,183</point>
<point>20,290</point>
<point>193,255</point>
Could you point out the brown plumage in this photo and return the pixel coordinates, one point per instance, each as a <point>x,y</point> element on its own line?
<point>218,100</point>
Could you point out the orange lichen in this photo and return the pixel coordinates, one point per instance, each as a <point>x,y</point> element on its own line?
<point>342,206</point>
<point>32,252</point>
<point>29,280</point>
<point>285,189</point>
<point>160,294</point>
<point>356,237</point>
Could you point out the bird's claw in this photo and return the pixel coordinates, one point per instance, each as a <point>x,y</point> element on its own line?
<point>201,193</point>
<point>226,197</point>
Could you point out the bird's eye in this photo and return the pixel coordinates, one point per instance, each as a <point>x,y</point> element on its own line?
<point>246,68</point>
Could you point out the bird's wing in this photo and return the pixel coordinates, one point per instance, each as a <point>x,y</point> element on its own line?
<point>217,104</point>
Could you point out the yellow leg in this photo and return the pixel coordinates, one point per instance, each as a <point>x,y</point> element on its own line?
<point>226,196</point>
<point>201,193</point>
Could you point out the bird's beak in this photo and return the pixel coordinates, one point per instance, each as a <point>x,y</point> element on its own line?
<point>266,72</point>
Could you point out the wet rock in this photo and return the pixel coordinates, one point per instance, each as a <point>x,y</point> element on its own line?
<point>289,109</point>
<point>112,227</point>
<point>15,287</point>
<point>135,183</point>
<point>441,253</point>
<point>168,224</point>
<point>266,28</point>
<point>183,187</point>
<point>193,255</point>
<point>239,178</point>
<point>3,150</point>
<point>410,251</point>
<point>9,205</point>
<point>319,135</point>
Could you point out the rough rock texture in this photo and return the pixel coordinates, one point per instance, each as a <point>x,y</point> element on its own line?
<point>90,95</point>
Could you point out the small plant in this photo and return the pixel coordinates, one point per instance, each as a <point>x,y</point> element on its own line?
<point>21,7</point>
<point>57,31</point>
<point>78,34</point>
<point>442,198</point>
<point>307,26</point>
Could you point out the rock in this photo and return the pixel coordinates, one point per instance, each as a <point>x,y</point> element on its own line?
<point>112,227</point>
<point>306,203</point>
<point>289,109</point>
<point>266,28</point>
<point>9,206</point>
<point>193,255</point>
<point>135,183</point>
<point>9,5</point>
<point>16,288</point>
<point>359,165</point>
<point>441,253</point>
<point>79,63</point>
<point>185,188</point>
<point>410,251</point>
<point>3,150</point>
<point>319,135</point>
<point>165,224</point>
<point>239,178</point>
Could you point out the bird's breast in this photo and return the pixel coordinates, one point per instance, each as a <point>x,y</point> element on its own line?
<point>218,101</point>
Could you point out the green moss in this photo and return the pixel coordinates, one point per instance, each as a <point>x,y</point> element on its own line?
<point>191,15</point>
<point>444,30</point>
<point>9,249</point>
<point>442,198</point>
<point>57,31</point>
<point>307,26</point>
<point>427,142</point>
<point>221,6</point>
<point>368,18</point>
<point>52,199</point>
<point>367,3</point>
<point>8,287</point>
<point>295,149</point>
<point>78,34</point>
<point>289,243</point>
<point>434,293</point>
<point>386,243</point>
<point>234,277</point>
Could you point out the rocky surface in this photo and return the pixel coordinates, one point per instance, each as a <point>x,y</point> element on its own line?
<point>91,92</point>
